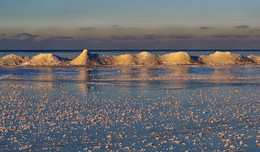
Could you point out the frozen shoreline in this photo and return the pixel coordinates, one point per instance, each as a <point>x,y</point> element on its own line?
<point>86,59</point>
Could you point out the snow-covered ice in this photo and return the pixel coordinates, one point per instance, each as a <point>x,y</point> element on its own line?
<point>130,108</point>
<point>144,58</point>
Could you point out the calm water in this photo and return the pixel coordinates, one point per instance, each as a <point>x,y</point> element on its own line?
<point>159,108</point>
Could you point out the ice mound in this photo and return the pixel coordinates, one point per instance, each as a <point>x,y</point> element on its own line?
<point>125,59</point>
<point>105,60</point>
<point>44,59</point>
<point>85,58</point>
<point>255,59</point>
<point>176,58</point>
<point>145,58</point>
<point>222,58</point>
<point>12,60</point>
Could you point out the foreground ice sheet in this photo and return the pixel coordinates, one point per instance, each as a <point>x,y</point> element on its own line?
<point>178,108</point>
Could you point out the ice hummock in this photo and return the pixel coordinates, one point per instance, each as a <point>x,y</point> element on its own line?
<point>12,60</point>
<point>84,59</point>
<point>125,59</point>
<point>255,59</point>
<point>222,58</point>
<point>45,59</point>
<point>177,58</point>
<point>143,58</point>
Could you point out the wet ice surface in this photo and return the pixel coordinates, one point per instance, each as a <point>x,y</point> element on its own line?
<point>142,108</point>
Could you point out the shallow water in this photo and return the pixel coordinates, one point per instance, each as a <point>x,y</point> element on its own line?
<point>158,108</point>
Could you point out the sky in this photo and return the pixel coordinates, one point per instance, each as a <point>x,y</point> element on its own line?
<point>135,24</point>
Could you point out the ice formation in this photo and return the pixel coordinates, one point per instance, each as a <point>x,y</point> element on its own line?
<point>143,58</point>
<point>85,58</point>
<point>12,60</point>
<point>255,59</point>
<point>222,58</point>
<point>125,59</point>
<point>176,58</point>
<point>44,59</point>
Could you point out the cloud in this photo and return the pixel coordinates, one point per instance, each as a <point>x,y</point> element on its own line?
<point>133,38</point>
<point>125,38</point>
<point>62,38</point>
<point>152,37</point>
<point>152,41</point>
<point>229,36</point>
<point>242,27</point>
<point>25,36</point>
<point>220,36</point>
<point>255,30</point>
<point>241,36</point>
<point>87,29</point>
<point>205,28</point>
<point>115,26</point>
<point>180,37</point>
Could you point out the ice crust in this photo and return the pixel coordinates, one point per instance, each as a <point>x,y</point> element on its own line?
<point>85,58</point>
<point>143,58</point>
<point>12,60</point>
<point>254,58</point>
<point>44,59</point>
<point>177,58</point>
<point>223,58</point>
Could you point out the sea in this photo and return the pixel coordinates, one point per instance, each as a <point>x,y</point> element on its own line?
<point>130,108</point>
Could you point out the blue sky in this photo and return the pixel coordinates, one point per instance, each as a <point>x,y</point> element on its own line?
<point>135,24</point>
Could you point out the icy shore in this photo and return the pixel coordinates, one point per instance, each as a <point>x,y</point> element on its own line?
<point>143,58</point>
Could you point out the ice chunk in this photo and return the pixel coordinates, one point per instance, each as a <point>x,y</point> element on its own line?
<point>85,58</point>
<point>222,58</point>
<point>176,58</point>
<point>44,59</point>
<point>125,59</point>
<point>12,60</point>
<point>145,58</point>
<point>255,59</point>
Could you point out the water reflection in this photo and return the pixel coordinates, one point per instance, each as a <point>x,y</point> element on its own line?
<point>84,76</point>
<point>148,77</point>
<point>178,72</point>
<point>138,76</point>
<point>46,78</point>
<point>130,75</point>
<point>176,77</point>
<point>223,75</point>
